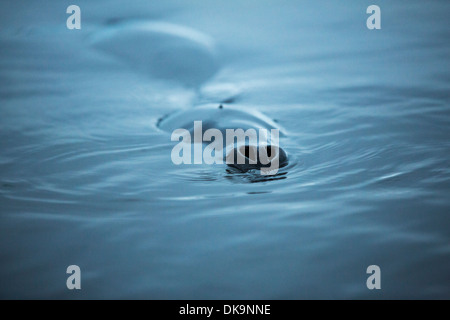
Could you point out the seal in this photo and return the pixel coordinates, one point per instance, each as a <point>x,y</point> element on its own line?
<point>259,154</point>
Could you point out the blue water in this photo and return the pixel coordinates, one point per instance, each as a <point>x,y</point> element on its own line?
<point>86,176</point>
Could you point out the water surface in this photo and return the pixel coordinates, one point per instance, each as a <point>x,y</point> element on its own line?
<point>86,176</point>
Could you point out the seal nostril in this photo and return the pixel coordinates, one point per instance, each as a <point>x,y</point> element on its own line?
<point>269,151</point>
<point>268,154</point>
<point>249,152</point>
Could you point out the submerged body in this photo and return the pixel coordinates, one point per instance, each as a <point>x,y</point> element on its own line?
<point>161,50</point>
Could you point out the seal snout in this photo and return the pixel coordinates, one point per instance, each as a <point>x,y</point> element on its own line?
<point>250,156</point>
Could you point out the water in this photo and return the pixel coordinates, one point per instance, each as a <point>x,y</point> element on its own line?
<point>86,176</point>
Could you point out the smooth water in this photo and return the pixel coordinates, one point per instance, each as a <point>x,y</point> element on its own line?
<point>86,176</point>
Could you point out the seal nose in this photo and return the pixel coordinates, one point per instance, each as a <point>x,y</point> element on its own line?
<point>248,156</point>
